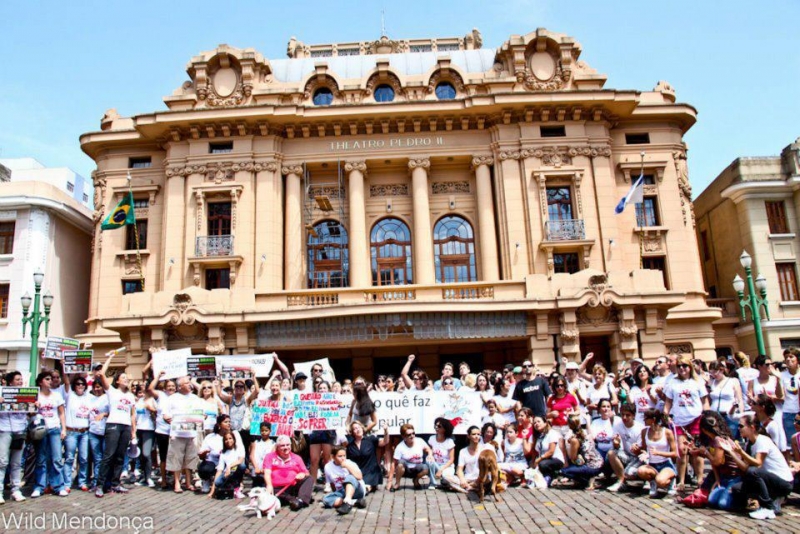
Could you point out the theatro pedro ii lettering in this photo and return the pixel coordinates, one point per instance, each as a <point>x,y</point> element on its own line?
<point>395,142</point>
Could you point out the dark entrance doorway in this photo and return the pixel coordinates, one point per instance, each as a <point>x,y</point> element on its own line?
<point>602,351</point>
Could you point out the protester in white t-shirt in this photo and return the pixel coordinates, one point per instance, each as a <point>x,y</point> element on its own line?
<point>627,431</point>
<point>259,450</point>
<point>346,481</point>
<point>146,410</point>
<point>231,466</point>
<point>443,451</point>
<point>97,426</point>
<point>78,406</point>
<point>12,429</point>
<point>182,454</point>
<point>161,391</point>
<point>49,459</point>
<point>411,456</point>
<point>790,378</point>
<point>467,471</point>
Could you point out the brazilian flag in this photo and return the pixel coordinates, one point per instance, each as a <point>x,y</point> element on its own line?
<point>120,216</point>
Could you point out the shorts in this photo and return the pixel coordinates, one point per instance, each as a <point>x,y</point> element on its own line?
<point>182,454</point>
<point>630,462</point>
<point>664,465</point>
<point>322,437</point>
<point>692,429</point>
<point>413,469</point>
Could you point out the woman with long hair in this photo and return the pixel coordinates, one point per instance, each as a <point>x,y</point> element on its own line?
<point>212,406</point>
<point>363,450</point>
<point>212,448</point>
<point>49,459</point>
<point>560,406</point>
<point>362,408</point>
<point>768,382</point>
<point>643,394</point>
<point>659,443</point>
<point>146,410</point>
<point>725,395</point>
<point>321,442</point>
<point>585,463</point>
<point>600,389</point>
<point>443,449</point>
<point>602,428</point>
<point>98,413</point>
<point>76,411</point>
<point>714,432</point>
<point>514,464</point>
<point>161,391</point>
<point>12,442</point>
<point>503,399</point>
<point>231,465</point>
<point>548,445</point>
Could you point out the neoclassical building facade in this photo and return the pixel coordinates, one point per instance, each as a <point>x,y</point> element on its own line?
<point>367,200</point>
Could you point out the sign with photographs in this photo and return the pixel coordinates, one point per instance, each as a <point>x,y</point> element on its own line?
<point>77,361</point>
<point>18,400</point>
<point>191,421</point>
<point>234,370</point>
<point>202,367</point>
<point>260,364</point>
<point>55,345</point>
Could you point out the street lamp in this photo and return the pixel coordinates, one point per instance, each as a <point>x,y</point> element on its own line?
<point>36,319</point>
<point>752,300</point>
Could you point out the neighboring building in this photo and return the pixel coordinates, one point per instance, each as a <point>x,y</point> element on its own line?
<point>72,183</point>
<point>364,201</point>
<point>41,227</point>
<point>753,205</point>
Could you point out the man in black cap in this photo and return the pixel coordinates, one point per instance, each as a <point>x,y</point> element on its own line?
<point>300,382</point>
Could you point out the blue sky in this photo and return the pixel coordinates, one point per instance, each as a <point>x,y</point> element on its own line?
<point>65,63</point>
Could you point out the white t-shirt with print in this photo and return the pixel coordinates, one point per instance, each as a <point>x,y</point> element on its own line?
<point>687,400</point>
<point>469,462</point>
<point>48,408</point>
<point>229,458</point>
<point>628,436</point>
<point>262,449</point>
<point>543,443</point>
<point>119,405</point>
<point>603,433</point>
<point>774,462</point>
<point>335,475</point>
<point>414,454</point>
<point>441,451</point>
<point>791,399</point>
<point>506,403</point>
<point>98,405</point>
<point>77,410</point>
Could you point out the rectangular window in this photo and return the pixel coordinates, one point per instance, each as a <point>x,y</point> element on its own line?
<point>4,301</point>
<point>637,138</point>
<point>776,215</point>
<point>141,203</point>
<point>131,286</point>
<point>787,279</point>
<point>130,236</point>
<point>218,278</point>
<point>704,245</point>
<point>566,263</point>
<point>649,179</point>
<point>559,203</point>
<point>7,237</point>
<point>219,218</point>
<point>70,187</point>
<point>552,131</point>
<point>85,197</point>
<point>647,212</point>
<point>220,148</point>
<point>143,162</point>
<point>656,263</point>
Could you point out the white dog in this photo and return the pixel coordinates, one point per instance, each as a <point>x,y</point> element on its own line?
<point>262,502</point>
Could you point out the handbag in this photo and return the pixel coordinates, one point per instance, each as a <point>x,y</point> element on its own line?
<point>698,499</point>
<point>722,496</point>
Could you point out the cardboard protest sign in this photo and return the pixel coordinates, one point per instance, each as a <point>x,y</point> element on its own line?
<point>259,364</point>
<point>227,370</point>
<point>201,367</point>
<point>77,361</point>
<point>190,421</point>
<point>279,414</point>
<point>18,400</point>
<point>319,411</point>
<point>55,345</point>
<point>172,362</point>
<point>421,408</point>
<point>327,371</point>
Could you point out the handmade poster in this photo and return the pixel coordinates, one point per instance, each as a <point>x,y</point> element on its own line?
<point>18,400</point>
<point>327,371</point>
<point>234,370</point>
<point>318,411</point>
<point>201,367</point>
<point>421,408</point>
<point>190,421</point>
<point>172,362</point>
<point>279,414</point>
<point>260,364</point>
<point>55,345</point>
<point>77,361</point>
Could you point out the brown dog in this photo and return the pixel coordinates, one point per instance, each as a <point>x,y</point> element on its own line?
<point>488,473</point>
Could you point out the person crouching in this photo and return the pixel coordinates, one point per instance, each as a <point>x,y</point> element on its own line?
<point>346,479</point>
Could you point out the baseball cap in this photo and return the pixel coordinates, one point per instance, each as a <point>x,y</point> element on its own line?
<point>572,366</point>
<point>517,370</point>
<point>300,376</point>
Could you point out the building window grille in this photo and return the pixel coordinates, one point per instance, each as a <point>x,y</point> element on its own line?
<point>445,91</point>
<point>559,203</point>
<point>647,212</point>
<point>7,237</point>
<point>323,97</point>
<point>220,148</point>
<point>454,250</point>
<point>384,93</point>
<point>390,248</point>
<point>776,216</point>
<point>787,279</point>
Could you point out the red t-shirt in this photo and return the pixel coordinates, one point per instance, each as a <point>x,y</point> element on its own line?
<point>284,472</point>
<point>567,402</point>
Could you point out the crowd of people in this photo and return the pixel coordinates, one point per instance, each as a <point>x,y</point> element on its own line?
<point>728,430</point>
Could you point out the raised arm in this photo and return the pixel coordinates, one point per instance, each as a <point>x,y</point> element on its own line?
<point>101,374</point>
<point>282,367</point>
<point>153,383</point>
<point>404,373</point>
<point>584,364</point>
<point>224,397</point>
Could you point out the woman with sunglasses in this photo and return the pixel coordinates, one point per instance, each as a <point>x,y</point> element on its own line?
<point>78,406</point>
<point>600,389</point>
<point>725,395</point>
<point>411,456</point>
<point>643,394</point>
<point>238,406</point>
<point>146,410</point>
<point>212,406</point>
<point>767,476</point>
<point>686,398</point>
<point>768,382</point>
<point>549,449</point>
<point>560,406</point>
<point>49,459</point>
<point>765,411</point>
<point>161,391</point>
<point>443,450</point>
<point>504,400</point>
<point>661,448</point>
<point>790,380</point>
<point>419,380</point>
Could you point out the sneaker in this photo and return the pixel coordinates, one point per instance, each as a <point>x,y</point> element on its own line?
<point>653,489</point>
<point>84,487</point>
<point>139,483</point>
<point>63,493</point>
<point>120,489</point>
<point>776,505</point>
<point>36,494</point>
<point>97,493</point>
<point>136,473</point>
<point>205,487</point>
<point>671,491</point>
<point>124,475</point>
<point>614,488</point>
<point>17,496</point>
<point>432,487</point>
<point>361,503</point>
<point>327,488</point>
<point>345,508</point>
<point>237,493</point>
<point>763,513</point>
<point>150,483</point>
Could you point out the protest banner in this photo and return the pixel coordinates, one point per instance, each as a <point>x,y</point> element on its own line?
<point>201,367</point>
<point>279,414</point>
<point>172,362</point>
<point>77,361</point>
<point>259,364</point>
<point>421,408</point>
<point>190,421</point>
<point>18,400</point>
<point>327,370</point>
<point>318,411</point>
<point>56,344</point>
<point>234,370</point>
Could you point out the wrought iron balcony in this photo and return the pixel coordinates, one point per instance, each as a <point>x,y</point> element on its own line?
<point>214,245</point>
<point>565,230</point>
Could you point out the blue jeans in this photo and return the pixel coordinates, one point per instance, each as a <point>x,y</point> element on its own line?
<point>10,460</point>
<point>733,425</point>
<point>96,444</point>
<point>146,439</point>
<point>581,474</point>
<point>49,462</point>
<point>330,499</point>
<point>76,441</point>
<point>231,481</point>
<point>788,427</point>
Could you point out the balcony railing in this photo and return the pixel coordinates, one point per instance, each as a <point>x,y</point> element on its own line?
<point>389,294</point>
<point>565,230</point>
<point>728,306</point>
<point>312,299</point>
<point>467,293</point>
<point>214,245</point>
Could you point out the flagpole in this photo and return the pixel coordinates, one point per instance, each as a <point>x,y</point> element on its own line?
<point>136,232</point>
<point>641,241</point>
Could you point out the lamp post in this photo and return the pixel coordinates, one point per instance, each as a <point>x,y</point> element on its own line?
<point>752,300</point>
<point>36,319</point>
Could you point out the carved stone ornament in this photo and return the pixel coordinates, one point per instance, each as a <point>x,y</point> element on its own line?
<point>597,315</point>
<point>685,188</point>
<point>389,80</point>
<point>188,332</point>
<point>599,285</point>
<point>477,161</point>
<point>132,266</point>
<point>156,348</point>
<point>508,154</point>
<point>559,79</point>
<point>448,188</point>
<point>680,348</point>
<point>652,242</point>
<point>388,190</point>
<point>628,331</point>
<point>219,346</point>
<point>569,335</point>
<point>451,76</point>
<point>384,45</point>
<point>292,169</point>
<point>182,304</point>
<point>550,156</point>
<point>326,191</point>
<point>419,163</point>
<point>590,151</point>
<point>316,83</point>
<point>355,165</point>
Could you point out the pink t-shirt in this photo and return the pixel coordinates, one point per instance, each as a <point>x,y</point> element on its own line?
<point>284,472</point>
<point>567,402</point>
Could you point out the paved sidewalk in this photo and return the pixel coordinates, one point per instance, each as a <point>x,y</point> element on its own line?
<point>522,510</point>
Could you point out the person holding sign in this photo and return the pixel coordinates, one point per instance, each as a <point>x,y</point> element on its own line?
<point>120,426</point>
<point>49,458</point>
<point>79,404</point>
<point>12,441</point>
<point>182,455</point>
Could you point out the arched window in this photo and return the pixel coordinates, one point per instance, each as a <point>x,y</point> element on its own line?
<point>384,93</point>
<point>390,248</point>
<point>327,255</point>
<point>454,250</point>
<point>323,97</point>
<point>445,91</point>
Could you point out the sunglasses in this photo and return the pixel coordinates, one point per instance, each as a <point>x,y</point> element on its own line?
<point>558,386</point>
<point>410,434</point>
<point>448,383</point>
<point>741,425</point>
<point>684,366</point>
<point>527,365</point>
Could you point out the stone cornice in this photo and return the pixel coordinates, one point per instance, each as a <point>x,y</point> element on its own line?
<point>295,169</point>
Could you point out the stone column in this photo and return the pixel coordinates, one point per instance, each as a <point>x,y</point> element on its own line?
<point>517,223</point>
<point>423,238</point>
<point>357,242</point>
<point>293,260</point>
<point>175,218</point>
<point>486,228</point>
<point>269,227</point>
